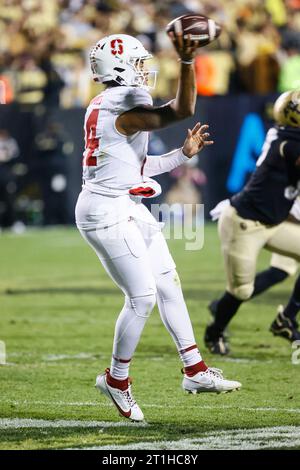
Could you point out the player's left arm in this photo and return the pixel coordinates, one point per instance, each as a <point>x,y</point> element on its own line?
<point>196,140</point>
<point>290,151</point>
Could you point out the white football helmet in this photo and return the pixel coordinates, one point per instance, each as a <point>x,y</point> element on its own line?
<point>120,58</point>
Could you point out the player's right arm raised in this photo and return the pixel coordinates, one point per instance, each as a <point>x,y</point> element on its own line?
<point>148,118</point>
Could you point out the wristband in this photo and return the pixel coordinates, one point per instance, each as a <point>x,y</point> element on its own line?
<point>187,62</point>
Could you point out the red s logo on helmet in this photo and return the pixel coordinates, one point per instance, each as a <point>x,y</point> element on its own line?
<point>116,46</point>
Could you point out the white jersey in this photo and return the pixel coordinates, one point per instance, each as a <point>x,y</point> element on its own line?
<point>112,162</point>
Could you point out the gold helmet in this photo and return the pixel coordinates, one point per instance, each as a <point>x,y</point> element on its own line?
<point>287,109</point>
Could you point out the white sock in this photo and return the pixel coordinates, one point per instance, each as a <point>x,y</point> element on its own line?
<point>119,368</point>
<point>190,356</point>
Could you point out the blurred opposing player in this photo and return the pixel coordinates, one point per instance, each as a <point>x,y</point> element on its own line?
<point>110,216</point>
<point>281,267</point>
<point>258,217</point>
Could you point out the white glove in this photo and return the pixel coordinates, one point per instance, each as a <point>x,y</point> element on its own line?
<point>295,210</point>
<point>216,212</point>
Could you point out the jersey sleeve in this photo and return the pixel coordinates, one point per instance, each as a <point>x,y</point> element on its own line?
<point>158,164</point>
<point>290,151</point>
<point>137,97</point>
<point>128,98</point>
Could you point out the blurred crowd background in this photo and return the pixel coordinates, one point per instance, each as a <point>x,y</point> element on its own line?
<point>45,85</point>
<point>44,46</point>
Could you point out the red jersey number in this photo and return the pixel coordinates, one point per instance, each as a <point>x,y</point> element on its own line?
<point>116,46</point>
<point>91,141</point>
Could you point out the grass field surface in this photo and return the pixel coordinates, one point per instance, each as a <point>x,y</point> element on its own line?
<point>58,310</point>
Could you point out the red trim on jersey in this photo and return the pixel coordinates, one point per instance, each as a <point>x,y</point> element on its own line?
<point>91,141</point>
<point>141,191</point>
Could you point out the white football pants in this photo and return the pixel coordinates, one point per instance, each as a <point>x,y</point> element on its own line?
<point>136,256</point>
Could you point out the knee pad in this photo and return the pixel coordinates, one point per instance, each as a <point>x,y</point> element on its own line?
<point>242,292</point>
<point>143,305</point>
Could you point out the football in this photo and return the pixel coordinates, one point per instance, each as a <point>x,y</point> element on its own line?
<point>199,27</point>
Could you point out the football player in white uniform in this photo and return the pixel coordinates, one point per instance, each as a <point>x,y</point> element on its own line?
<point>111,218</point>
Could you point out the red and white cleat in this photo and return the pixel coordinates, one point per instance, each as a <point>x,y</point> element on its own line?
<point>211,380</point>
<point>119,392</point>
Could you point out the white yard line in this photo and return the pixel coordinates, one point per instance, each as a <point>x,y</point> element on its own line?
<point>175,405</point>
<point>235,439</point>
<point>88,355</point>
<point>67,357</point>
<point>62,357</point>
<point>242,360</point>
<point>238,439</point>
<point>17,423</point>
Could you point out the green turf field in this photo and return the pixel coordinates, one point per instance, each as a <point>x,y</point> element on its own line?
<point>58,310</point>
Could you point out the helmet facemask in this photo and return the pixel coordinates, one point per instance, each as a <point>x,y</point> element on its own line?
<point>143,77</point>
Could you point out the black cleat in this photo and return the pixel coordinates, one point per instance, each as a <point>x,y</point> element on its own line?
<point>215,341</point>
<point>285,327</point>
